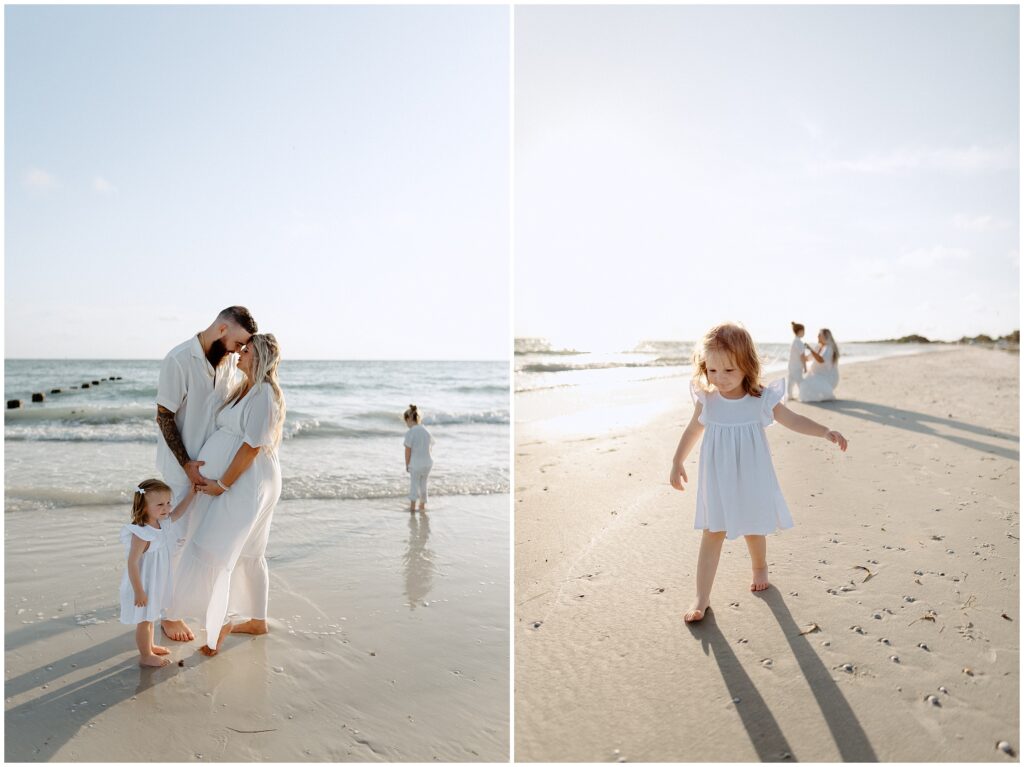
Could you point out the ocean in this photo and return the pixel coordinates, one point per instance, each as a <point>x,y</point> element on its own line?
<point>539,366</point>
<point>342,438</point>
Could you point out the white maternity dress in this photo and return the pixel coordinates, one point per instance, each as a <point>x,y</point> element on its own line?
<point>223,569</point>
<point>820,382</point>
<point>737,490</point>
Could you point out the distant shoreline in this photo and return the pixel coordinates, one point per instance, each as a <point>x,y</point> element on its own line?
<point>539,346</point>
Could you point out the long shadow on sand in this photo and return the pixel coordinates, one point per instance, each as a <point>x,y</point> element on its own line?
<point>847,733</point>
<point>923,423</point>
<point>70,707</point>
<point>765,734</point>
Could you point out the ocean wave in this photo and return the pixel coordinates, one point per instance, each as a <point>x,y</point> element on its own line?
<point>85,414</point>
<point>441,417</point>
<point>294,488</point>
<point>542,367</point>
<point>313,428</point>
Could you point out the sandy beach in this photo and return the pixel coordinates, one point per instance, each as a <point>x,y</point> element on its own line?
<point>389,642</point>
<point>898,582</point>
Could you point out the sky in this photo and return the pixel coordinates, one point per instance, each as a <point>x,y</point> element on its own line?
<point>847,167</point>
<point>341,171</point>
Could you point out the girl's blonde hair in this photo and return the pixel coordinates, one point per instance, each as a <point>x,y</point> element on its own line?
<point>412,414</point>
<point>139,499</point>
<point>264,371</point>
<point>830,341</point>
<point>734,340</point>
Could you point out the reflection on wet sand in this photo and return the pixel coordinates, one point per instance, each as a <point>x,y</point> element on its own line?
<point>418,561</point>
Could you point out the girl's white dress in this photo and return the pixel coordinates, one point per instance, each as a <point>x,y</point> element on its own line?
<point>796,367</point>
<point>419,441</point>
<point>820,382</point>
<point>223,569</point>
<point>154,570</point>
<point>737,490</point>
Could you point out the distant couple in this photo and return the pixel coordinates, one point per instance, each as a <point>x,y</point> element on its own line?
<point>220,424</point>
<point>818,382</point>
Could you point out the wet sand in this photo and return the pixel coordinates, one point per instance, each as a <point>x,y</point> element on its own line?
<point>389,642</point>
<point>898,582</point>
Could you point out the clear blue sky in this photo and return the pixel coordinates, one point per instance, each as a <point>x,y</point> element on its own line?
<point>854,167</point>
<point>342,171</point>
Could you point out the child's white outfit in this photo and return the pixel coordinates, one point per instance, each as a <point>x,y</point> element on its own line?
<point>737,490</point>
<point>796,367</point>
<point>420,462</point>
<point>154,571</point>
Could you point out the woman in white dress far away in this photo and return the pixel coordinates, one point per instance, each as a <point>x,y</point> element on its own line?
<point>821,380</point>
<point>223,570</point>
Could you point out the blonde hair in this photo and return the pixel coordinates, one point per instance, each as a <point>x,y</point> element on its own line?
<point>831,342</point>
<point>412,414</point>
<point>267,355</point>
<point>139,499</point>
<point>734,340</point>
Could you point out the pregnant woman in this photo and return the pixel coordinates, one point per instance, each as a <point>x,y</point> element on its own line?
<point>820,382</point>
<point>223,569</point>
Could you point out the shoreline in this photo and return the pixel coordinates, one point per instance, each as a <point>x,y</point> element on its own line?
<point>605,553</point>
<point>388,642</point>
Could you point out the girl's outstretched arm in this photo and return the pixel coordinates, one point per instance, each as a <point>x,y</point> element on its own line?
<point>690,436</point>
<point>138,548</point>
<point>803,425</point>
<point>181,508</point>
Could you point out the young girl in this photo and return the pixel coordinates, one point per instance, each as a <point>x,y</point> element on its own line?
<point>738,493</point>
<point>417,458</point>
<point>797,361</point>
<point>146,584</point>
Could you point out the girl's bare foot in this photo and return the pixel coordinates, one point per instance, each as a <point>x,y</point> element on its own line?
<point>251,626</point>
<point>154,661</point>
<point>760,581</point>
<point>696,612</point>
<point>158,650</point>
<point>177,631</point>
<point>207,650</point>
<point>423,507</point>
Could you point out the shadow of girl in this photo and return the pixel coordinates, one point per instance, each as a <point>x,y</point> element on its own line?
<point>763,730</point>
<point>849,736</point>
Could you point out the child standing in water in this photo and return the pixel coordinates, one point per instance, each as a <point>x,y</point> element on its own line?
<point>737,492</point>
<point>146,584</point>
<point>417,458</point>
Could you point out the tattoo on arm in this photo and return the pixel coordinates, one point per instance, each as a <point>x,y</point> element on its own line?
<point>165,418</point>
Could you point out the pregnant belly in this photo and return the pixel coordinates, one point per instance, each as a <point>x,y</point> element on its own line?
<point>218,451</point>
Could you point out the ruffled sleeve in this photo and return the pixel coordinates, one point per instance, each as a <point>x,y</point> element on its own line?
<point>697,394</point>
<point>145,532</point>
<point>260,417</point>
<point>772,395</point>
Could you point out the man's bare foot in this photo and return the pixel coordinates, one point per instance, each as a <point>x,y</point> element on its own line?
<point>154,661</point>
<point>251,626</point>
<point>158,650</point>
<point>177,631</point>
<point>760,581</point>
<point>696,613</point>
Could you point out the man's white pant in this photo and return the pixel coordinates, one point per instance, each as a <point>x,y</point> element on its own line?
<point>418,483</point>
